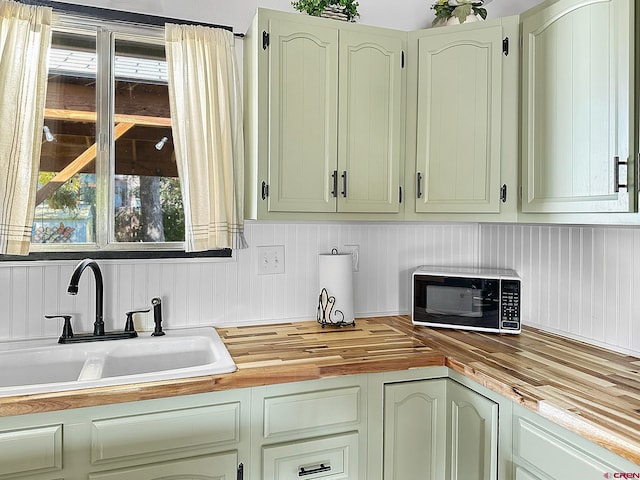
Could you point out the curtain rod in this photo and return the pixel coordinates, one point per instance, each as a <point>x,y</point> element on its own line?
<point>118,15</point>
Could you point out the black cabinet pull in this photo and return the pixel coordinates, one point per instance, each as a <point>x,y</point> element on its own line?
<point>322,468</point>
<point>419,184</point>
<point>265,190</point>
<point>334,176</point>
<point>344,183</point>
<point>240,475</point>
<point>616,174</point>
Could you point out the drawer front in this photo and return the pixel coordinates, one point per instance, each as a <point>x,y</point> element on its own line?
<point>30,451</point>
<point>311,411</point>
<point>553,456</point>
<point>326,458</point>
<point>140,436</point>
<point>222,466</point>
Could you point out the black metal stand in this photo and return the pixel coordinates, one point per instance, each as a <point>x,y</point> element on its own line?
<point>325,309</point>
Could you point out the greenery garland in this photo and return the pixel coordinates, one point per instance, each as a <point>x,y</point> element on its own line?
<point>315,7</point>
<point>461,9</point>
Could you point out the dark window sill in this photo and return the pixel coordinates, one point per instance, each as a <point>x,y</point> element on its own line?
<point>115,255</point>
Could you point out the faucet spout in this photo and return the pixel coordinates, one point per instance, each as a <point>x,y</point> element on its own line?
<point>98,325</point>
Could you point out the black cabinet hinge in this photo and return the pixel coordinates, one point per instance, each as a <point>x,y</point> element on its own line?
<point>402,59</point>
<point>505,46</point>
<point>240,475</point>
<point>503,193</point>
<point>265,190</point>
<point>265,39</point>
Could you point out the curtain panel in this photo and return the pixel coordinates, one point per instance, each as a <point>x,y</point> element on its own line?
<point>25,38</point>
<point>206,117</point>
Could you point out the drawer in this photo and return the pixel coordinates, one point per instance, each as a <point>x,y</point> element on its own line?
<point>220,466</point>
<point>30,451</point>
<point>139,436</point>
<point>311,412</point>
<point>554,456</point>
<point>328,458</point>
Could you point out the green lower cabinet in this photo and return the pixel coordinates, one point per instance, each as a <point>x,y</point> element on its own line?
<point>438,429</point>
<point>310,430</point>
<point>332,457</point>
<point>414,422</point>
<point>472,434</point>
<point>546,451</point>
<point>221,466</point>
<point>31,452</point>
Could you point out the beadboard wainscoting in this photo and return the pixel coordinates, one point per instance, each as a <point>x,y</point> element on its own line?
<point>579,281</point>
<point>230,291</point>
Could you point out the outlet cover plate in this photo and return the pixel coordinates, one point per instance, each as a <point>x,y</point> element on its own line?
<point>354,250</point>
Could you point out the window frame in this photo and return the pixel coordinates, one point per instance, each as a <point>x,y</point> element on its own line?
<point>106,31</point>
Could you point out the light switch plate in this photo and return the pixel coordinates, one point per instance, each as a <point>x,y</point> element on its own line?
<point>270,259</point>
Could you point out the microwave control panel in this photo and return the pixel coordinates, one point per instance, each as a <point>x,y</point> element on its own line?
<point>510,304</point>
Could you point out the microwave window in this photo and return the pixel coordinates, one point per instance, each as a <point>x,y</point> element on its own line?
<point>450,300</point>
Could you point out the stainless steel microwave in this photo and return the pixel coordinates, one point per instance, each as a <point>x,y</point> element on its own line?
<point>481,299</point>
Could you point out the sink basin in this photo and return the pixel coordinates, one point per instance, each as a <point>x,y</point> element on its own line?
<point>40,366</point>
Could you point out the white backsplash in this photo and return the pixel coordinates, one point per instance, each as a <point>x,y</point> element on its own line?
<point>230,291</point>
<point>578,281</point>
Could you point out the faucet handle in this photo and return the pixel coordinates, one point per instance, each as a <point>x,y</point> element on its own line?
<point>67,331</point>
<point>128,326</point>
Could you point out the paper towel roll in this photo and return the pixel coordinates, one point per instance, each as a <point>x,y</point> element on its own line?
<point>335,274</point>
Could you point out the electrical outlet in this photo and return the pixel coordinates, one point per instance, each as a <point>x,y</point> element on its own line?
<point>270,259</point>
<point>354,250</point>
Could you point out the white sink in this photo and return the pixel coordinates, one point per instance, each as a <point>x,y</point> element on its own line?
<point>43,365</point>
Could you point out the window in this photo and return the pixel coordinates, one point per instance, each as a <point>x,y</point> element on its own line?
<point>108,178</point>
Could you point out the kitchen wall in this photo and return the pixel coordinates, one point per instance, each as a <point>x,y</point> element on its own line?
<point>579,281</point>
<point>230,291</point>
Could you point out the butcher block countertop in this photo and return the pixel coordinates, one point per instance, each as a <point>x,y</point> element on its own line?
<point>589,390</point>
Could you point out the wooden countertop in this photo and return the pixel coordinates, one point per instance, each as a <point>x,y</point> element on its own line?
<point>589,390</point>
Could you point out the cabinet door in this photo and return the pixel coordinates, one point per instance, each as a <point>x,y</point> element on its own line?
<point>303,102</point>
<point>370,91</point>
<point>576,106</point>
<point>472,436</point>
<point>459,120</point>
<point>414,422</point>
<point>221,466</point>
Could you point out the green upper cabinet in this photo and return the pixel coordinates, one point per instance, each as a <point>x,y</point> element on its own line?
<point>464,139</point>
<point>369,146</point>
<point>303,106</point>
<point>577,106</point>
<point>323,118</point>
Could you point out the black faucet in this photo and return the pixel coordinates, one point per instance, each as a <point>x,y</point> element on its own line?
<point>98,325</point>
<point>68,336</point>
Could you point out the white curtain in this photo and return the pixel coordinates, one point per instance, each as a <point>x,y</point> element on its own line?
<point>25,37</point>
<point>206,117</point>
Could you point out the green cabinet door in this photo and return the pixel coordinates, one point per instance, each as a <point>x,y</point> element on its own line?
<point>459,114</point>
<point>544,449</point>
<point>303,102</point>
<point>576,106</point>
<point>369,138</point>
<point>472,435</point>
<point>414,425</point>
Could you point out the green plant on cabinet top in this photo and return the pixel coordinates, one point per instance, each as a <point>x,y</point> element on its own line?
<point>315,7</point>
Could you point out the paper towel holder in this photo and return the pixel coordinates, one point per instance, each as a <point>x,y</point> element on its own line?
<point>325,311</point>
